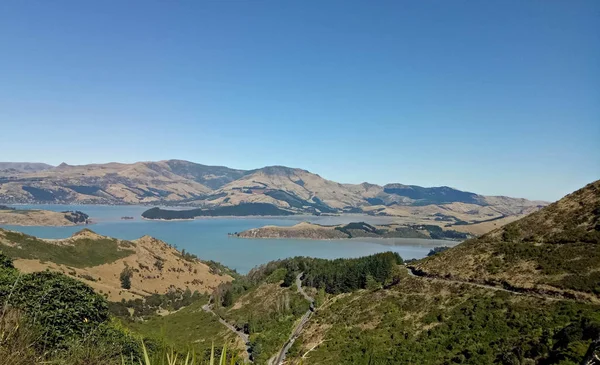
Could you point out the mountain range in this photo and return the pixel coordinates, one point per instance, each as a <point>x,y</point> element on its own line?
<point>184,183</point>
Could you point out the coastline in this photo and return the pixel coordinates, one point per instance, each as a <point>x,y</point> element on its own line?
<point>377,240</point>
<point>47,225</point>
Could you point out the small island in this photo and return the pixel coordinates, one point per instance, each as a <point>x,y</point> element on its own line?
<point>38,217</point>
<point>127,218</point>
<point>241,210</point>
<point>314,231</point>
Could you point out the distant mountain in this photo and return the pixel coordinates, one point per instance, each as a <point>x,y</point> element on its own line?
<point>296,190</point>
<point>554,250</point>
<point>211,176</point>
<point>8,167</point>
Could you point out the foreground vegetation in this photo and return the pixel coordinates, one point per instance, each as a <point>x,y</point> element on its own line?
<point>188,327</point>
<point>421,322</point>
<point>50,318</point>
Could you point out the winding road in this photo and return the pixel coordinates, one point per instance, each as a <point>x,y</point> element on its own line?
<point>413,272</point>
<point>280,357</point>
<point>244,337</point>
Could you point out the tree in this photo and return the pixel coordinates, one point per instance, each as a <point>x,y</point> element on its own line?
<point>125,277</point>
<point>227,298</point>
<point>289,278</point>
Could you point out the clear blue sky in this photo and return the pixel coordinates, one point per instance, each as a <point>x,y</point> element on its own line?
<point>495,97</point>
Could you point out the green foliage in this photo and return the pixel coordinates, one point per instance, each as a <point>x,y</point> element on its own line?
<point>227,299</point>
<point>438,233</point>
<point>125,277</point>
<point>63,307</point>
<point>5,261</point>
<point>335,276</point>
<point>279,275</point>
<point>414,323</point>
<point>289,279</point>
<point>371,283</point>
<point>84,253</point>
<point>218,268</point>
<point>148,307</point>
<point>267,313</point>
<point>437,250</point>
<point>190,328</point>
<point>577,260</point>
<point>76,216</point>
<point>357,229</point>
<point>188,256</point>
<point>345,275</point>
<point>511,233</point>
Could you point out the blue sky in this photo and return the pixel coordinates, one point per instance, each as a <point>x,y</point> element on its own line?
<point>496,97</point>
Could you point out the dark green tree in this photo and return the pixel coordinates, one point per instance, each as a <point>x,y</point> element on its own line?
<point>125,277</point>
<point>227,298</point>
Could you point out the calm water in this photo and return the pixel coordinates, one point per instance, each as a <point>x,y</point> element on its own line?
<point>208,238</point>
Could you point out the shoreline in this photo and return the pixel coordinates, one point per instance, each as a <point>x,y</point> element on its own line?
<point>377,240</point>
<point>3,224</point>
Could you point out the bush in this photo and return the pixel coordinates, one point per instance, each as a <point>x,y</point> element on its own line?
<point>5,262</point>
<point>63,307</point>
<point>437,250</point>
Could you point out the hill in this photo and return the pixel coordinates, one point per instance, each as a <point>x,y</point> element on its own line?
<point>307,230</point>
<point>39,217</point>
<point>12,167</point>
<point>99,261</point>
<point>372,311</point>
<point>555,250</point>
<point>244,209</point>
<point>184,183</point>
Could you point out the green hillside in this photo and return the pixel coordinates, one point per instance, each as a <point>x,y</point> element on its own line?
<point>555,250</point>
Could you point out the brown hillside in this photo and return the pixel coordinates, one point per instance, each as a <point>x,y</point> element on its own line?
<point>98,261</point>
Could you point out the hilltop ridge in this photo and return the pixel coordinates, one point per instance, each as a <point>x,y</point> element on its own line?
<point>156,267</point>
<point>555,250</point>
<point>184,183</point>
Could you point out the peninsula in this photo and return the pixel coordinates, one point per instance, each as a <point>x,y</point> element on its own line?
<point>306,230</point>
<point>38,217</point>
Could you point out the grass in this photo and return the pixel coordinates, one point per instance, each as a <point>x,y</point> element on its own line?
<point>190,326</point>
<point>84,252</point>
<point>173,358</point>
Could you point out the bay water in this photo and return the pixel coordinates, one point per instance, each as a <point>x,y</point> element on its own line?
<point>208,237</point>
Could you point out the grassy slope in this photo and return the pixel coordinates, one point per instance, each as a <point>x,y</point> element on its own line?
<point>423,322</point>
<point>554,249</point>
<point>190,326</point>
<point>85,253</point>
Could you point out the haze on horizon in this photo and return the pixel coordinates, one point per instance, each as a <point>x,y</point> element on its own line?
<point>494,98</point>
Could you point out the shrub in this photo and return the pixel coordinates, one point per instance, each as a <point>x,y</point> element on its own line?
<point>5,262</point>
<point>63,307</point>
